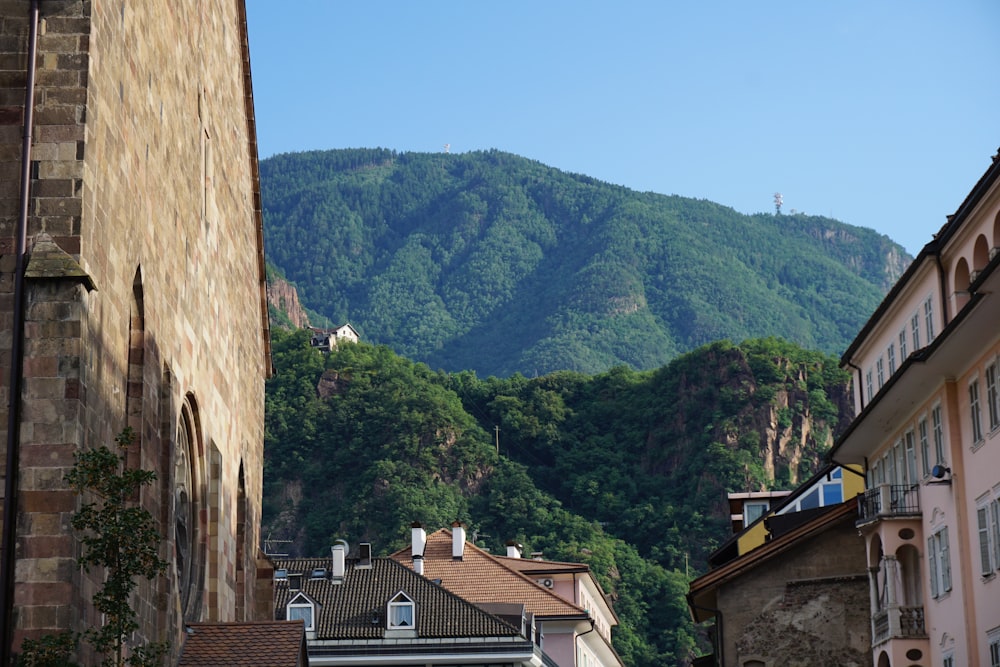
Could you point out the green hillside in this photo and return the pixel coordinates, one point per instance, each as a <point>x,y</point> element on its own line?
<point>495,263</point>
<point>624,470</point>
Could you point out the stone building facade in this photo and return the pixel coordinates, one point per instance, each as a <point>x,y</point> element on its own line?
<point>796,600</point>
<point>135,272</point>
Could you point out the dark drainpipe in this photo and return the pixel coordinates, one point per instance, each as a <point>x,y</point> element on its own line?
<point>16,356</point>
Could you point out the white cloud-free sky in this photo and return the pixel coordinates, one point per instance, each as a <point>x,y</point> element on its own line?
<point>882,113</point>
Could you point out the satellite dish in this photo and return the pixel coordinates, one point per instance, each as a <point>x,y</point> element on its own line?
<point>940,471</point>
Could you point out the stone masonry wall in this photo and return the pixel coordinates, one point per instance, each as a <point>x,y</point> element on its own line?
<point>143,175</point>
<point>802,608</point>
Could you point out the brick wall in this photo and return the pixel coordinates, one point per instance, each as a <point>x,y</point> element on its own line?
<point>143,176</point>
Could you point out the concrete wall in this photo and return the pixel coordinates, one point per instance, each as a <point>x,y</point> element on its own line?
<point>143,175</point>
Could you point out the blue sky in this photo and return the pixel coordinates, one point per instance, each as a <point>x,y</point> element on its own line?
<point>879,113</point>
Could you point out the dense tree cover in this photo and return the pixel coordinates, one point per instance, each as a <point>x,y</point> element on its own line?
<point>442,256</point>
<point>625,470</point>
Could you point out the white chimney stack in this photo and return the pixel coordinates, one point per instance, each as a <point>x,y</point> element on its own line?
<point>339,559</point>
<point>514,549</point>
<point>418,542</point>
<point>457,540</point>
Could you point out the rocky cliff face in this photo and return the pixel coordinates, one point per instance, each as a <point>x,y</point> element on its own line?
<point>283,297</point>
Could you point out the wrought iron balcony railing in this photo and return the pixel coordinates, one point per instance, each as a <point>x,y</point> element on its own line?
<point>888,500</point>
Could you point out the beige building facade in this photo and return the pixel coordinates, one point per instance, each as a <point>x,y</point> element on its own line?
<point>927,394</point>
<point>131,294</point>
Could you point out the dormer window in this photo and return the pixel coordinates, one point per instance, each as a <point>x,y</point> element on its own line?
<point>302,608</point>
<point>402,612</point>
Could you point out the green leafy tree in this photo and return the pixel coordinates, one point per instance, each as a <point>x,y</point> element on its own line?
<point>119,537</point>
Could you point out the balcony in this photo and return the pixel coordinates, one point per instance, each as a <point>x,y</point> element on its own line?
<point>887,501</point>
<point>898,623</point>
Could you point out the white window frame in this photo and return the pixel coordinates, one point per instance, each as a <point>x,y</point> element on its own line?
<point>975,412</point>
<point>397,603</point>
<point>939,562</point>
<point>294,606</point>
<point>891,354</point>
<point>869,382</point>
<point>902,345</point>
<point>762,504</point>
<point>880,372</point>
<point>915,330</point>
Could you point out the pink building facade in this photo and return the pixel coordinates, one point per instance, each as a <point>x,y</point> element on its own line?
<point>926,370</point>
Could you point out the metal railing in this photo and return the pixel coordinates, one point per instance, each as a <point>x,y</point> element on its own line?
<point>888,500</point>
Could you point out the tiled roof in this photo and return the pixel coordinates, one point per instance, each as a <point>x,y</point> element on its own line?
<point>539,566</point>
<point>257,644</point>
<point>482,577</point>
<point>356,608</point>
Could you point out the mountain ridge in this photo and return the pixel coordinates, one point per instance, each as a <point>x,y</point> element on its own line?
<point>444,256</point>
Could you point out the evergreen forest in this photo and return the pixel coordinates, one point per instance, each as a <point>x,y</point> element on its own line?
<point>444,256</point>
<point>625,470</point>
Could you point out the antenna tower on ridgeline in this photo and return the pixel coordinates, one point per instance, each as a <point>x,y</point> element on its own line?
<point>447,148</point>
<point>777,203</point>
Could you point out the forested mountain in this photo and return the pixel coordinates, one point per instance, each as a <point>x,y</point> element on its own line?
<point>624,470</point>
<point>495,263</point>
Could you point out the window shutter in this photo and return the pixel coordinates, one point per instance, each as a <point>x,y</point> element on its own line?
<point>984,540</point>
<point>945,561</point>
<point>995,517</point>
<point>932,564</point>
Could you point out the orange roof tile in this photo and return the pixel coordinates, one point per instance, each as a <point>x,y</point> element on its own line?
<point>482,577</point>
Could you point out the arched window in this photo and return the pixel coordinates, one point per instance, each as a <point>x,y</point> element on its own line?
<point>134,379</point>
<point>187,499</point>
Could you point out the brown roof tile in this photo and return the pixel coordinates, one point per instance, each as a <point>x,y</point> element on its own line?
<point>260,644</point>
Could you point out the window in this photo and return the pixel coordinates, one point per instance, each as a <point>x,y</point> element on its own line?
<point>891,352</point>
<point>902,345</point>
<point>929,318</point>
<point>401,612</point>
<point>924,446</point>
<point>911,459</point>
<point>993,638</point>
<point>939,562</point>
<point>915,329</point>
<point>301,608</point>
<point>753,511</point>
<point>975,413</point>
<point>948,660</point>
<point>938,435</point>
<point>870,385</point>
<point>992,396</point>
<point>880,370</point>
<point>988,524</point>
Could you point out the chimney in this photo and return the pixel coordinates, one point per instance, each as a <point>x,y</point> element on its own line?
<point>418,542</point>
<point>514,550</point>
<point>338,554</point>
<point>457,540</point>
